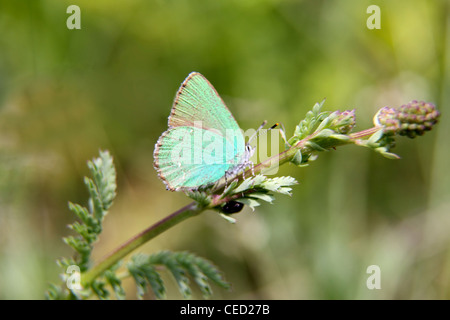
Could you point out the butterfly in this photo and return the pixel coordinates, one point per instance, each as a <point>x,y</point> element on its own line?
<point>203,143</point>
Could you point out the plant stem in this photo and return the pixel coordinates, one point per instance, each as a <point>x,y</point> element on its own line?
<point>188,211</point>
<point>288,154</point>
<point>364,133</point>
<point>194,209</point>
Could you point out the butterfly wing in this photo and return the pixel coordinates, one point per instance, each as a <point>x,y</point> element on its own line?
<point>197,102</point>
<point>186,160</point>
<point>203,140</point>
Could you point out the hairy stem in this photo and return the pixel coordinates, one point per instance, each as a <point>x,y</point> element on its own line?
<point>194,209</point>
<point>188,211</point>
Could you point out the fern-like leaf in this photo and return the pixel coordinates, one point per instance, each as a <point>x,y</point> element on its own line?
<point>202,198</point>
<point>116,284</point>
<point>104,176</point>
<point>102,190</point>
<point>143,268</point>
<point>145,275</point>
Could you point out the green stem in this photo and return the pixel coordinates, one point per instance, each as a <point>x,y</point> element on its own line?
<point>188,211</point>
<point>288,154</point>
<point>194,209</point>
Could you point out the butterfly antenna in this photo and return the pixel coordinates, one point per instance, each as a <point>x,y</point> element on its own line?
<point>274,126</point>
<point>256,133</point>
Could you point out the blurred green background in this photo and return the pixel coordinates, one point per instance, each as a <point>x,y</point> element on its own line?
<point>65,94</point>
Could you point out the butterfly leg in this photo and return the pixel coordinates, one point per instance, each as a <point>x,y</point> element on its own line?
<point>226,179</point>
<point>283,136</point>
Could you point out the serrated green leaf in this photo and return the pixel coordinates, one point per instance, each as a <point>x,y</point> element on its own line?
<point>211,271</point>
<point>142,269</point>
<point>101,188</point>
<point>189,263</point>
<point>145,274</point>
<point>104,176</point>
<point>252,203</point>
<point>115,283</point>
<point>84,231</point>
<point>54,292</point>
<point>279,184</point>
<point>202,198</point>
<point>259,179</point>
<point>283,181</point>
<point>75,243</point>
<point>285,190</point>
<point>84,215</point>
<point>201,270</point>
<point>167,259</point>
<point>98,287</point>
<point>263,196</point>
<point>156,283</point>
<point>202,282</point>
<point>246,184</point>
<point>80,211</point>
<point>65,262</point>
<point>229,189</point>
<point>95,199</point>
<point>271,186</point>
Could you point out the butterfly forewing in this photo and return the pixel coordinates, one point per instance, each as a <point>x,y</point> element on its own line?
<point>197,101</point>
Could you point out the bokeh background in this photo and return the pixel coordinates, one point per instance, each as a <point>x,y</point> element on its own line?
<point>66,94</point>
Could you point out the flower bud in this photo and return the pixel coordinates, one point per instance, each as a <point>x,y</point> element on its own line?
<point>344,121</point>
<point>387,118</point>
<point>417,117</point>
<point>410,120</point>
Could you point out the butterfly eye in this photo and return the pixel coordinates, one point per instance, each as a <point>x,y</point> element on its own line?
<point>232,207</point>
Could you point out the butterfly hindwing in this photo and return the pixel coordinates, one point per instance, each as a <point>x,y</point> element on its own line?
<point>203,141</point>
<point>186,161</point>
